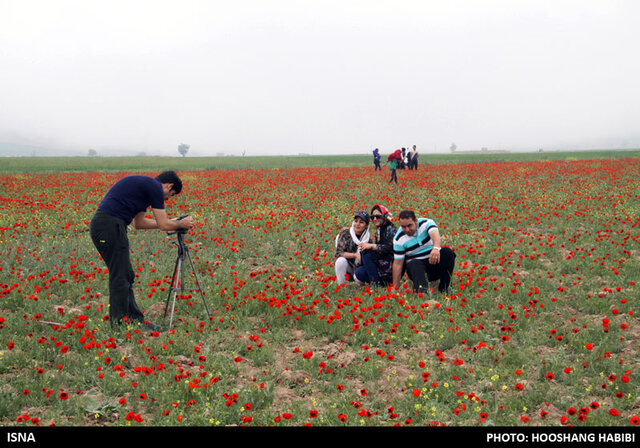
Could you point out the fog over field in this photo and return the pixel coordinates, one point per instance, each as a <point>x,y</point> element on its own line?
<point>304,77</point>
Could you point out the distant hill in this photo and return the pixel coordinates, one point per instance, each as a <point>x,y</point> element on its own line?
<point>24,150</point>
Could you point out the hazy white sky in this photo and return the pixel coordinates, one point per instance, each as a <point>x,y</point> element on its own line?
<point>321,77</point>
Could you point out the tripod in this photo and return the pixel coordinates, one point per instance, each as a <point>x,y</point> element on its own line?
<point>183,250</point>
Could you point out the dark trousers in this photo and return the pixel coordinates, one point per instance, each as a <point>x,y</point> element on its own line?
<point>377,165</point>
<point>394,176</point>
<point>421,270</point>
<point>109,235</point>
<point>367,272</point>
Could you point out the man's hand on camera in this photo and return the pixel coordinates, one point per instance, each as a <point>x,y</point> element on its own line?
<point>185,222</point>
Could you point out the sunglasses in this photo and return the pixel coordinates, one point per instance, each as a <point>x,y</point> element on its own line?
<point>376,216</point>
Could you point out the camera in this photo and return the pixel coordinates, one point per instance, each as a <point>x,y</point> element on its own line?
<point>180,231</point>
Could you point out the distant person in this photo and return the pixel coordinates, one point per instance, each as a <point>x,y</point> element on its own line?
<point>377,256</point>
<point>414,158</point>
<point>392,160</point>
<point>376,160</point>
<point>417,250</point>
<point>402,161</point>
<point>125,202</point>
<point>347,246</point>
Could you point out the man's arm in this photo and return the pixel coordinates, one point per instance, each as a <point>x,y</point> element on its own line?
<point>434,257</point>
<point>397,272</point>
<point>161,221</point>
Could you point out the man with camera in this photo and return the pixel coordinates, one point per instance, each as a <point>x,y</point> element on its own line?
<point>126,202</point>
<point>417,250</point>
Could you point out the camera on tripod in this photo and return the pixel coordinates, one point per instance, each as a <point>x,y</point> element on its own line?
<point>180,231</point>
<point>177,280</point>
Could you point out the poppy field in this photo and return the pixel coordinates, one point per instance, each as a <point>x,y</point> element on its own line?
<point>540,326</point>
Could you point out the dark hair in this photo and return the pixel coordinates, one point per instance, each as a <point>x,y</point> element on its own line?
<point>170,177</point>
<point>407,214</point>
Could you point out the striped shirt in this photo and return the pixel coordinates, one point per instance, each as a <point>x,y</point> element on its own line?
<point>418,245</point>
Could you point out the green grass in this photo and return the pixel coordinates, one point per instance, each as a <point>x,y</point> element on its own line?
<point>545,282</point>
<point>157,163</point>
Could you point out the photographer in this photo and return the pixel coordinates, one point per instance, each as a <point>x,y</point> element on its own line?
<point>127,202</point>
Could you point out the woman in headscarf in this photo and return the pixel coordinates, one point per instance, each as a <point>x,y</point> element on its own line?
<point>348,243</point>
<point>377,256</point>
<point>393,160</point>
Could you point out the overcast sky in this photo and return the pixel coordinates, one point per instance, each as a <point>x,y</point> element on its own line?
<point>319,77</point>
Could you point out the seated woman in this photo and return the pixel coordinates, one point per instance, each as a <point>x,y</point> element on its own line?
<point>347,246</point>
<point>377,257</point>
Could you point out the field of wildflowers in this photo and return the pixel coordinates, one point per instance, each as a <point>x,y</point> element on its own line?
<point>540,327</point>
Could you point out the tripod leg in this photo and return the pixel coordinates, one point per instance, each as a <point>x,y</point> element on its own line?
<point>173,280</point>
<point>198,285</point>
<point>175,290</point>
